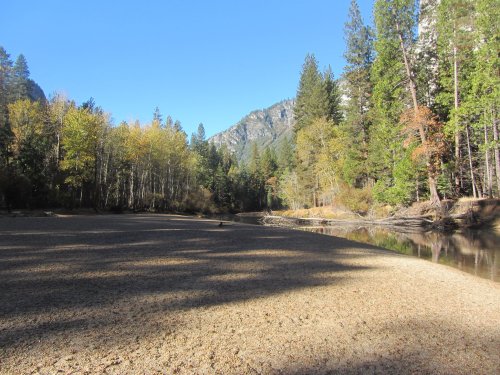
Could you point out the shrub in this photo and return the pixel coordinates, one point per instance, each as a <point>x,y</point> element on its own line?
<point>356,200</point>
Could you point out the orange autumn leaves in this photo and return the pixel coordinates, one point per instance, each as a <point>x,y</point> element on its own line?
<point>432,146</point>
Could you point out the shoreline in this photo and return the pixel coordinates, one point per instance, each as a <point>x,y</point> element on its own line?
<point>465,213</point>
<point>411,224</point>
<point>453,215</point>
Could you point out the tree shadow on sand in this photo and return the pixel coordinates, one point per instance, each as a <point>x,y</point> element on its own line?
<point>70,274</point>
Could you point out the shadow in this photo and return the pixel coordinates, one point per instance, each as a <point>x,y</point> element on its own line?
<point>66,275</point>
<point>409,346</point>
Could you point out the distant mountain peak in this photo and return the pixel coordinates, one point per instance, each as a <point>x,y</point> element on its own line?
<point>266,127</point>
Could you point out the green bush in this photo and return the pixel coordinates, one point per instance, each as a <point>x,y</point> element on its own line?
<point>356,200</point>
<point>401,189</point>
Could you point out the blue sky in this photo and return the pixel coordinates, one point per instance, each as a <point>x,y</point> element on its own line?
<point>198,61</point>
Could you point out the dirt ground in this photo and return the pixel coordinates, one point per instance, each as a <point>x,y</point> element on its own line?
<point>165,294</point>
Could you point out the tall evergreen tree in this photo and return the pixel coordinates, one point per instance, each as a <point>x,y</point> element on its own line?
<point>157,117</point>
<point>20,78</point>
<point>198,141</point>
<point>269,167</point>
<point>358,89</point>
<point>201,148</point>
<point>200,133</point>
<point>396,22</point>
<point>483,101</point>
<point>311,101</point>
<point>286,155</point>
<point>389,100</point>
<point>169,122</point>
<point>455,46</point>
<point>426,53</point>
<point>268,163</point>
<point>333,100</point>
<point>178,126</point>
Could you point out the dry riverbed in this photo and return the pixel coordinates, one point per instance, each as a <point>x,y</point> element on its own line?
<point>162,294</point>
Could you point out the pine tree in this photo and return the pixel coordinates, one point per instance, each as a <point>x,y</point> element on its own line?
<point>311,102</point>
<point>268,163</point>
<point>389,100</point>
<point>20,78</point>
<point>256,174</point>
<point>426,53</point>
<point>286,155</point>
<point>157,117</point>
<point>483,101</point>
<point>358,89</point>
<point>169,122</point>
<point>200,147</point>
<point>198,142</point>
<point>200,134</point>
<point>396,21</point>
<point>254,163</point>
<point>178,126</point>
<point>332,91</point>
<point>454,26</point>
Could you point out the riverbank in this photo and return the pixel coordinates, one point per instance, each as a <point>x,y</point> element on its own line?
<point>421,216</point>
<point>170,294</point>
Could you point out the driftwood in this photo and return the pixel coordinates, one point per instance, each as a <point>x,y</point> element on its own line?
<point>476,214</point>
<point>422,222</point>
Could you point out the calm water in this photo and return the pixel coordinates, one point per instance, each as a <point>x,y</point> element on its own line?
<point>473,251</point>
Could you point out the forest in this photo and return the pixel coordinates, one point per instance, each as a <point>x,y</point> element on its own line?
<point>413,117</point>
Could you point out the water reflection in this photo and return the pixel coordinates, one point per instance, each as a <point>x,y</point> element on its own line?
<point>473,251</point>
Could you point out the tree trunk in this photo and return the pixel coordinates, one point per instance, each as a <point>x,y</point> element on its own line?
<point>416,190</point>
<point>131,200</point>
<point>469,153</point>
<point>58,150</point>
<point>96,180</point>
<point>118,183</point>
<point>497,154</point>
<point>458,162</point>
<point>489,182</point>
<point>434,196</point>
<point>154,193</point>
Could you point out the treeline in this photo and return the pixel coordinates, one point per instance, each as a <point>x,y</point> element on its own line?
<point>56,153</point>
<point>415,115</point>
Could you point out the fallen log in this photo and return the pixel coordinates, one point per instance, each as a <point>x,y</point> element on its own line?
<point>416,221</point>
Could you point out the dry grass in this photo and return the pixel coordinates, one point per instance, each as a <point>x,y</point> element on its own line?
<point>327,212</point>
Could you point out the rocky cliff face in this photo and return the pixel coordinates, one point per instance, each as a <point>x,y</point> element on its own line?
<point>35,92</point>
<point>265,127</point>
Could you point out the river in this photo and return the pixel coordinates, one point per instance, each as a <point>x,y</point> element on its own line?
<point>474,251</point>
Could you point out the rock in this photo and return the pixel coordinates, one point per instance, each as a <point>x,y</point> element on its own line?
<point>267,127</point>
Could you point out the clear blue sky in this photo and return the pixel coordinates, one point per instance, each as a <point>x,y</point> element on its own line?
<point>198,61</point>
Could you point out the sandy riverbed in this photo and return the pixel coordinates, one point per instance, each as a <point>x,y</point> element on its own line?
<point>154,294</point>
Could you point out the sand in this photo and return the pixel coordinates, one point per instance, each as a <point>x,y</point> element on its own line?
<point>166,294</point>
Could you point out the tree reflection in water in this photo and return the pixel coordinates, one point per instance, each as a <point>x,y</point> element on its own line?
<point>473,251</point>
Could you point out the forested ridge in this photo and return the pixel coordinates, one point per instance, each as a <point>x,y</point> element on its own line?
<point>413,117</point>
